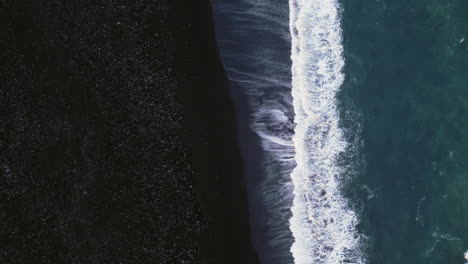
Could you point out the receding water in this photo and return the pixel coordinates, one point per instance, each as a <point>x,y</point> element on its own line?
<point>255,46</point>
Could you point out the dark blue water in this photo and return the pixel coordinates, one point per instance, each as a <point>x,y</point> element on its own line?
<point>407,71</point>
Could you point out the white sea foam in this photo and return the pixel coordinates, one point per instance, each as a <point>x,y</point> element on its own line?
<point>440,237</point>
<point>419,217</point>
<point>322,223</point>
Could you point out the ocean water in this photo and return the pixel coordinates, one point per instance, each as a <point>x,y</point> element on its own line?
<point>360,109</point>
<point>407,72</point>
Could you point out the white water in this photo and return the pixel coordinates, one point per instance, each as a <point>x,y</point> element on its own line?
<point>255,42</point>
<point>322,223</point>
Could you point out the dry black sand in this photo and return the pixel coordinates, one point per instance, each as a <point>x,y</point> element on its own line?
<point>117,136</point>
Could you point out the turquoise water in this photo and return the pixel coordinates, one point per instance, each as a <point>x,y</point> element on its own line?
<point>407,74</point>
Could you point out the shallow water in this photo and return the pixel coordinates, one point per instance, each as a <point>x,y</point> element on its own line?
<point>255,47</point>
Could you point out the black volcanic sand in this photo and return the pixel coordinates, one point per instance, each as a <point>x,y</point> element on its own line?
<point>117,136</point>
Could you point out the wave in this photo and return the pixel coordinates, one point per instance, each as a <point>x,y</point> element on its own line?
<point>322,222</point>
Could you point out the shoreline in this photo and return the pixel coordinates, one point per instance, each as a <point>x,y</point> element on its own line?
<point>211,124</point>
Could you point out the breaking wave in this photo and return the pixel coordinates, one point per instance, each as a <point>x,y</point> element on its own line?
<point>305,218</point>
<point>323,224</point>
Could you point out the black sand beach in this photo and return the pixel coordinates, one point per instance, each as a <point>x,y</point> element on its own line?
<point>117,136</point>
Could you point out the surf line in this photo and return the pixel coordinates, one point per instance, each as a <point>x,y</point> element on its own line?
<point>322,223</point>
